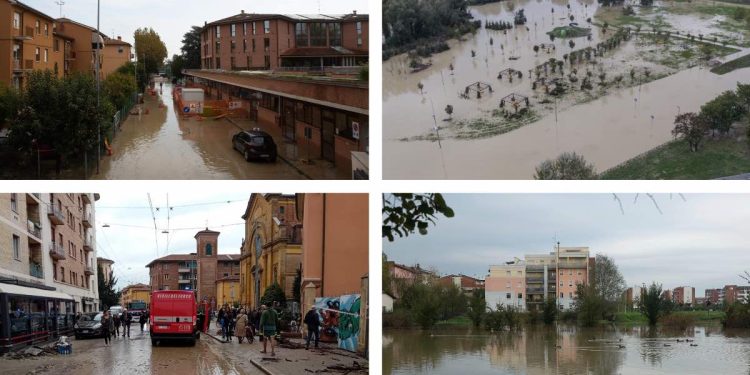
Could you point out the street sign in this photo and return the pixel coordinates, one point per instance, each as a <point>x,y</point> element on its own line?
<point>355,130</point>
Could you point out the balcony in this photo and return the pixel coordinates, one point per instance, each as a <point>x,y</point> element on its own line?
<point>55,215</point>
<point>88,270</point>
<point>35,270</point>
<point>33,199</point>
<point>85,198</point>
<point>534,291</point>
<point>88,244</point>
<point>565,264</point>
<point>56,251</point>
<point>86,220</point>
<point>183,270</point>
<point>183,281</point>
<point>535,279</point>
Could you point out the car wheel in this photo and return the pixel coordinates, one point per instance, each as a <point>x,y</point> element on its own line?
<point>154,342</point>
<point>272,159</point>
<point>192,342</point>
<point>78,337</point>
<point>247,155</point>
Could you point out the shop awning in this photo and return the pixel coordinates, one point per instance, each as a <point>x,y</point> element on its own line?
<point>26,291</point>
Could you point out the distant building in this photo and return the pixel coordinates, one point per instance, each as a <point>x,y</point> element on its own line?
<point>467,284</point>
<point>734,293</point>
<point>667,295</point>
<point>106,267</point>
<point>388,301</point>
<point>683,295</point>
<point>527,283</point>
<point>714,296</point>
<point>135,293</point>
<point>404,272</point>
<point>633,297</point>
<point>197,271</point>
<point>113,54</point>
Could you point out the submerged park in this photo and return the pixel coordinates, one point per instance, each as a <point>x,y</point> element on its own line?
<point>522,89</point>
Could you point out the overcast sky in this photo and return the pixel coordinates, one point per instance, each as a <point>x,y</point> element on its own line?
<point>173,18</point>
<point>701,241</point>
<point>130,242</point>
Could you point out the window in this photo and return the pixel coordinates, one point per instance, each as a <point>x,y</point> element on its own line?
<point>46,29</point>
<point>244,28</point>
<point>266,45</point>
<point>37,54</point>
<point>244,45</point>
<point>231,62</point>
<point>166,277</point>
<point>16,20</point>
<point>56,45</point>
<point>14,202</point>
<point>218,46</point>
<point>507,295</point>
<point>562,295</point>
<point>570,294</point>
<point>254,31</point>
<point>266,27</point>
<point>253,45</point>
<point>16,247</point>
<point>281,210</point>
<point>317,34</point>
<point>46,54</point>
<point>269,101</point>
<point>359,34</point>
<point>218,31</point>
<point>226,274</point>
<point>233,30</point>
<point>334,34</point>
<point>520,295</point>
<point>120,49</point>
<point>301,34</point>
<point>38,27</point>
<point>209,249</point>
<point>62,273</point>
<point>232,45</point>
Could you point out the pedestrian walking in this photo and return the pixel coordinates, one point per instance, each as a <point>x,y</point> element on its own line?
<point>221,320</point>
<point>142,320</point>
<point>241,327</point>
<point>312,321</point>
<point>126,318</point>
<point>230,321</point>
<point>116,324</point>
<point>107,326</point>
<point>268,323</point>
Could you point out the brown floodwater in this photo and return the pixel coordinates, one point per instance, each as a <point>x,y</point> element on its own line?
<point>162,146</point>
<point>606,131</point>
<point>567,350</point>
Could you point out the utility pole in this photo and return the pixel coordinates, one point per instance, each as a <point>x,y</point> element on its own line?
<point>98,87</point>
<point>60,3</point>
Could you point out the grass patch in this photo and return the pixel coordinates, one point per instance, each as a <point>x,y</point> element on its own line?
<point>455,321</point>
<point>569,32</point>
<point>495,125</point>
<point>674,161</point>
<point>730,66</point>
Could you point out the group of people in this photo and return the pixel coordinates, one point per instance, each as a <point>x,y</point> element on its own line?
<point>111,324</point>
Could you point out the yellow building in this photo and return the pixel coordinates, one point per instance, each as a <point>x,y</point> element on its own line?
<point>272,249</point>
<point>136,293</point>
<point>228,291</point>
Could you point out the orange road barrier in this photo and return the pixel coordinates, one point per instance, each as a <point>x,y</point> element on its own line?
<point>108,147</point>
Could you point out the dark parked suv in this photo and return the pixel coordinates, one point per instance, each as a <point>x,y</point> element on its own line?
<point>89,325</point>
<point>255,144</point>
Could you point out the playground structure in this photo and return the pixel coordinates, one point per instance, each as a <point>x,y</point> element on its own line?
<point>510,72</point>
<point>477,87</point>
<point>515,101</point>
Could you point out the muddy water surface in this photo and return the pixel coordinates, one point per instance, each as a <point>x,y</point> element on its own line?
<point>567,350</point>
<point>606,131</point>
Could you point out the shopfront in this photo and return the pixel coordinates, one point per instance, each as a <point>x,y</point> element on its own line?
<point>31,315</point>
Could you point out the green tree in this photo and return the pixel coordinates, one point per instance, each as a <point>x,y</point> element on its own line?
<point>477,307</point>
<point>191,48</point>
<point>176,64</point>
<point>9,101</point>
<point>150,52</point>
<point>567,166</point>
<point>422,300</point>
<point>549,311</point>
<point>608,282</point>
<point>691,127</point>
<point>107,294</point>
<point>721,112</point>
<point>272,294</point>
<point>403,213</point>
<point>589,305</point>
<point>743,93</point>
<point>453,302</point>
<point>119,88</point>
<point>652,305</point>
<point>387,279</point>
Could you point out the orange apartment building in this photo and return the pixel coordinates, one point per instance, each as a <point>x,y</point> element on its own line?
<point>31,40</point>
<point>199,271</point>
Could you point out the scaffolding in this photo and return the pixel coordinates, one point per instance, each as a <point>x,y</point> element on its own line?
<point>478,88</point>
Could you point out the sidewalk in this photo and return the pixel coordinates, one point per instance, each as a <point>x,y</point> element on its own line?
<point>294,155</point>
<point>328,358</point>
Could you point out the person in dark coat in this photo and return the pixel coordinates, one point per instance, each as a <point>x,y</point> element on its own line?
<point>312,321</point>
<point>126,318</point>
<point>107,326</point>
<point>117,324</point>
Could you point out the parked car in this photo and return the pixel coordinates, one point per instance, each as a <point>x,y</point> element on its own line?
<point>89,325</point>
<point>255,144</point>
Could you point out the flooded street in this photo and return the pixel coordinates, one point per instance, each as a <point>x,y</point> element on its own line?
<point>160,145</point>
<point>132,357</point>
<point>606,130</point>
<point>568,350</point>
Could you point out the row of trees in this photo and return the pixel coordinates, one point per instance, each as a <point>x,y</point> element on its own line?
<point>190,58</point>
<point>718,115</point>
<point>151,52</point>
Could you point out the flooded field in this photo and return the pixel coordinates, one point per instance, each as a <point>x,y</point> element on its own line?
<point>160,145</point>
<point>568,350</point>
<point>637,89</point>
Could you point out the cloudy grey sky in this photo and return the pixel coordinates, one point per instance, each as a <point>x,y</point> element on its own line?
<point>130,242</point>
<point>700,241</point>
<point>173,18</point>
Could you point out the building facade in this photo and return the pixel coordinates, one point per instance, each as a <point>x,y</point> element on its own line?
<point>47,264</point>
<point>272,250</point>
<point>27,43</point>
<point>683,295</point>
<point>198,271</point>
<point>81,56</point>
<point>135,293</point>
<point>228,291</point>
<point>527,283</point>
<point>467,284</point>
<point>106,266</point>
<point>633,297</point>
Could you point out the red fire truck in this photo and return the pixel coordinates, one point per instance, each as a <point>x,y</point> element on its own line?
<point>173,316</point>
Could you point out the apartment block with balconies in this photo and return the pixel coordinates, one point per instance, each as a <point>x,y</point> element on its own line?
<point>22,255</point>
<point>505,285</point>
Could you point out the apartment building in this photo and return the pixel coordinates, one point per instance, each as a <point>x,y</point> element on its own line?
<point>198,271</point>
<point>734,293</point>
<point>467,284</point>
<point>683,295</point>
<point>714,296</point>
<point>27,42</point>
<point>47,264</point>
<point>135,293</point>
<point>633,296</point>
<point>272,250</point>
<point>527,283</point>
<point>249,41</point>
<point>81,54</point>
<point>106,266</point>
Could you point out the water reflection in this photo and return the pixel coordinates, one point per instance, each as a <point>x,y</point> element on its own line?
<point>567,349</point>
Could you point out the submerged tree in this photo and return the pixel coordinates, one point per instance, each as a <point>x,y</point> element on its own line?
<point>691,127</point>
<point>477,307</point>
<point>652,305</point>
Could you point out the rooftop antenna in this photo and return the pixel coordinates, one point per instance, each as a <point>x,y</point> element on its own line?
<point>318,6</point>
<point>60,3</point>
